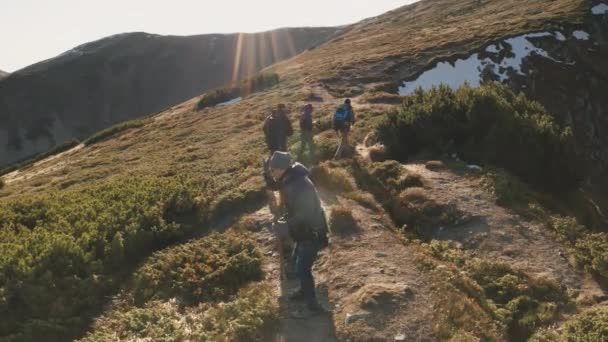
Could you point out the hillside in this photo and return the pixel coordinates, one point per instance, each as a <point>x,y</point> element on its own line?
<point>98,84</point>
<point>160,231</point>
<point>3,74</point>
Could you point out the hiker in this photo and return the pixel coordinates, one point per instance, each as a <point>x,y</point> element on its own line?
<point>305,220</point>
<point>344,118</point>
<point>277,128</point>
<point>306,135</point>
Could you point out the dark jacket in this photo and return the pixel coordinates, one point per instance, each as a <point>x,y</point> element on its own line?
<point>277,128</point>
<point>305,215</point>
<point>306,119</point>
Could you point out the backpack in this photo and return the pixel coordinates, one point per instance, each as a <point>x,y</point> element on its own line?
<point>341,116</point>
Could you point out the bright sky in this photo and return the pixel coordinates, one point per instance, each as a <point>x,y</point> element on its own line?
<point>34,30</point>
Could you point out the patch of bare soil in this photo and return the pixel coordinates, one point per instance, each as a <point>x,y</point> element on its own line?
<point>498,234</point>
<point>374,285</point>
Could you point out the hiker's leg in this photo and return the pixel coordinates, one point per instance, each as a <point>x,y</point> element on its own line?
<point>306,253</point>
<point>340,146</point>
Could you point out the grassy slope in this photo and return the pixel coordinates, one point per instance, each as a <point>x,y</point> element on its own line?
<point>220,149</point>
<point>222,143</point>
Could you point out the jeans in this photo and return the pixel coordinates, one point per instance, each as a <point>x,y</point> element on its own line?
<point>306,253</point>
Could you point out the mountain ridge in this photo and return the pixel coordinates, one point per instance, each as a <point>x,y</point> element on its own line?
<point>119,77</point>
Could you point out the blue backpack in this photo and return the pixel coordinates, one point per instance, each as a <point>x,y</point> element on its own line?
<point>341,116</point>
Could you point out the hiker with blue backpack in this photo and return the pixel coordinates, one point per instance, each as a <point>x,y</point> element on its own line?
<point>306,135</point>
<point>344,118</point>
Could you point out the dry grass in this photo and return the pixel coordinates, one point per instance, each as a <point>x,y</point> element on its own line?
<point>435,165</point>
<point>333,179</point>
<point>377,153</point>
<point>400,43</point>
<point>341,221</point>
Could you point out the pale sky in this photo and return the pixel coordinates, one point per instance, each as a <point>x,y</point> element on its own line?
<point>34,30</point>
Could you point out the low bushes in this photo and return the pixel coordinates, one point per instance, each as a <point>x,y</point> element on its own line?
<point>589,249</point>
<point>239,89</point>
<point>213,268</point>
<point>62,253</point>
<point>200,291</point>
<point>511,297</point>
<point>589,326</point>
<point>487,125</point>
<point>112,131</point>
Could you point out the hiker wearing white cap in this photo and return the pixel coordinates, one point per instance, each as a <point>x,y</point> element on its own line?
<point>305,219</point>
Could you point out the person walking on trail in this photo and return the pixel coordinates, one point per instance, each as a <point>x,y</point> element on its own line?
<point>306,135</point>
<point>306,221</point>
<point>277,128</point>
<point>344,118</point>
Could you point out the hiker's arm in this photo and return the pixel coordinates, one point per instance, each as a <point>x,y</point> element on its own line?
<point>271,183</point>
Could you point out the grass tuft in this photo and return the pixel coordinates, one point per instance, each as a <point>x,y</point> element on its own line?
<point>341,221</point>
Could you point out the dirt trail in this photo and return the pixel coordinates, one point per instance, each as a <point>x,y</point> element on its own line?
<point>372,271</point>
<point>41,167</point>
<point>294,325</point>
<point>370,274</point>
<point>496,233</point>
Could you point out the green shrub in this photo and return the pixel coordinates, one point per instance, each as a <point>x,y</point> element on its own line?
<point>212,268</point>
<point>239,89</point>
<point>114,130</point>
<point>521,302</point>
<point>590,250</point>
<point>589,326</point>
<point>246,317</point>
<point>62,253</point>
<point>487,125</point>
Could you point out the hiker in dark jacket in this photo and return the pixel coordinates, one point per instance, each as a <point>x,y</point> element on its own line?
<point>305,220</point>
<point>306,135</point>
<point>344,118</point>
<point>277,128</point>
